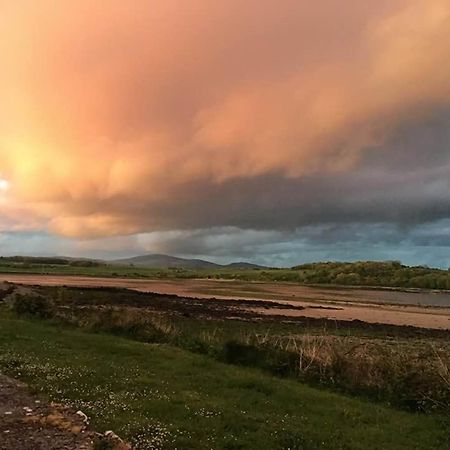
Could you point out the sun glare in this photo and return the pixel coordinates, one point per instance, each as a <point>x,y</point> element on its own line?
<point>4,185</point>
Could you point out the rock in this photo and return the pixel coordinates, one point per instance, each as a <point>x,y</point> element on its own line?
<point>38,425</point>
<point>113,442</point>
<point>83,416</point>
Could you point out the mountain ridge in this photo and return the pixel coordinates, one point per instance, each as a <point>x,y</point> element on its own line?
<point>157,260</point>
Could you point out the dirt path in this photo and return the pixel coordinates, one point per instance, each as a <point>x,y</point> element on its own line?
<point>26,423</point>
<point>367,306</point>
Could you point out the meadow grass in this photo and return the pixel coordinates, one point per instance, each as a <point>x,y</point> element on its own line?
<point>407,368</point>
<point>162,397</point>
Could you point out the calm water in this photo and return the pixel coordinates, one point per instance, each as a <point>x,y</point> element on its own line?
<point>406,298</point>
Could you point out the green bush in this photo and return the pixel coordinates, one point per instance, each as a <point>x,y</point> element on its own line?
<point>265,357</point>
<point>33,305</point>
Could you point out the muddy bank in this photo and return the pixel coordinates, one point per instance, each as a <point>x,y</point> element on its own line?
<point>253,290</point>
<point>28,423</point>
<point>267,299</point>
<point>92,299</point>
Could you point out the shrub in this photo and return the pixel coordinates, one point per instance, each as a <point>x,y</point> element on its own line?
<point>33,305</point>
<point>235,352</point>
<point>265,357</point>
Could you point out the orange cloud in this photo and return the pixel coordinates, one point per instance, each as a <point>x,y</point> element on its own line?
<point>109,109</point>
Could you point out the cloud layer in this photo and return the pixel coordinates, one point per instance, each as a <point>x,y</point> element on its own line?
<point>121,118</point>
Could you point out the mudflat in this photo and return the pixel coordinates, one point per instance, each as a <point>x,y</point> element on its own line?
<point>419,309</point>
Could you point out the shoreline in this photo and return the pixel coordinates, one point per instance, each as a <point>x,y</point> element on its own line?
<point>347,309</point>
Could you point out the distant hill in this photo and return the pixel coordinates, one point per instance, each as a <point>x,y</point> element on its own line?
<point>164,261</point>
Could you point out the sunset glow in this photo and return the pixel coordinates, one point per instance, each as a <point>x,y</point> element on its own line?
<point>137,122</point>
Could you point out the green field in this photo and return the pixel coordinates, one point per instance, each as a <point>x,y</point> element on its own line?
<point>403,366</point>
<point>164,397</point>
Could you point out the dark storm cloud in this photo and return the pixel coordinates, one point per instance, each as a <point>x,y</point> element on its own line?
<point>405,182</point>
<point>420,244</point>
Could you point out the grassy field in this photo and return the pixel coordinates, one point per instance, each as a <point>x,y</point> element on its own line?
<point>403,366</point>
<point>163,397</point>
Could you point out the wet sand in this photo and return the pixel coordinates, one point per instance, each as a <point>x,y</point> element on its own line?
<point>423,309</point>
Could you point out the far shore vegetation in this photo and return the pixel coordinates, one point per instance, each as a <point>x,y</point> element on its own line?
<point>364,273</point>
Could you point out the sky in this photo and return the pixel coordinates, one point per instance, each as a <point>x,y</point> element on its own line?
<point>273,132</point>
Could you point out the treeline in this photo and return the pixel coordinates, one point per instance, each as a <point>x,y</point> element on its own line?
<point>29,261</point>
<point>370,273</point>
<point>363,273</point>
